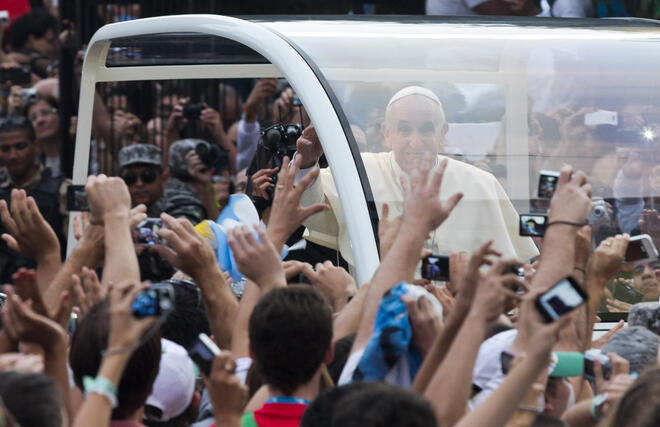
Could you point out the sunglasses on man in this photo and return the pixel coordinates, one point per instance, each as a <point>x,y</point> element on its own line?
<point>147,176</point>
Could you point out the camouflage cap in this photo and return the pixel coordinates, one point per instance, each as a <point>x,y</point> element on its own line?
<point>178,152</point>
<point>140,153</point>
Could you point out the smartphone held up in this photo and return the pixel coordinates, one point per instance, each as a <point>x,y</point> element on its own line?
<point>561,299</point>
<point>436,267</point>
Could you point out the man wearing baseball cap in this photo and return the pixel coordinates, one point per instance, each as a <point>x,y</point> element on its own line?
<point>140,166</point>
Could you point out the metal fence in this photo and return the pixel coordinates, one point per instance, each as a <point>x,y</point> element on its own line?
<point>151,101</point>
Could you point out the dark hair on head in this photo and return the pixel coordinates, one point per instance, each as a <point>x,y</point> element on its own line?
<point>290,333</point>
<point>87,343</point>
<point>32,399</point>
<point>545,420</point>
<point>188,319</point>
<point>154,267</point>
<point>640,405</point>
<point>380,404</point>
<point>341,353</point>
<point>319,412</point>
<point>17,124</point>
<point>36,23</point>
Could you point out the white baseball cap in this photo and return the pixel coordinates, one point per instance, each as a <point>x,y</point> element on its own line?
<point>174,387</point>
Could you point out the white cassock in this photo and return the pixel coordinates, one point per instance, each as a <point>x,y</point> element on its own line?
<point>484,213</point>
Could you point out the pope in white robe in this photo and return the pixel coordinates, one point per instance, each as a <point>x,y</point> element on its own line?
<point>414,128</point>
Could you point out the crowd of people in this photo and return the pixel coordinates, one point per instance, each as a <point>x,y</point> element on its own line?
<point>123,333</point>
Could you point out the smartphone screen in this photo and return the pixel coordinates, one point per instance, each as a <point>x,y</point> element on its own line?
<point>146,232</point>
<point>561,299</point>
<point>532,225</point>
<point>202,352</point>
<point>76,199</point>
<point>436,267</point>
<point>548,184</point>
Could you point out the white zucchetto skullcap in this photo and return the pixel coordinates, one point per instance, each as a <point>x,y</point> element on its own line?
<point>414,90</point>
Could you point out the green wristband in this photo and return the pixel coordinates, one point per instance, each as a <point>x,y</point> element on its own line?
<point>101,386</point>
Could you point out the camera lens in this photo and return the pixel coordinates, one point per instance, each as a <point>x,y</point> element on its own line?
<point>201,149</point>
<point>273,137</point>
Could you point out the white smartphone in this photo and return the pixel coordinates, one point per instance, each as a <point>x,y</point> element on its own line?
<point>641,248</point>
<point>601,117</point>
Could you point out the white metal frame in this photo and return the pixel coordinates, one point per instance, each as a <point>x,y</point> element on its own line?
<point>285,61</point>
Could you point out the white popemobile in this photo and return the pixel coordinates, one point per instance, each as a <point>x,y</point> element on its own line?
<point>497,81</point>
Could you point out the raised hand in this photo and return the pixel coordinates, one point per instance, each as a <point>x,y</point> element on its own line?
<point>228,395</point>
<point>388,229</point>
<point>125,329</point>
<point>494,289</point>
<point>286,214</point>
<point>176,122</point>
<point>264,88</point>
<point>572,199</point>
<point>262,180</point>
<point>87,291</point>
<point>257,259</point>
<point>423,210</point>
<point>294,268</point>
<point>28,233</point>
<point>23,324</point>
<point>458,262</point>
<point>472,274</point>
<point>608,256</point>
<point>309,148</point>
<point>333,282</point>
<point>197,169</point>
<point>445,298</point>
<point>425,321</point>
<point>186,249</point>
<point>107,196</point>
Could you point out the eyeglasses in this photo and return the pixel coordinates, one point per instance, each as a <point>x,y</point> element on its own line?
<point>42,113</point>
<point>147,176</point>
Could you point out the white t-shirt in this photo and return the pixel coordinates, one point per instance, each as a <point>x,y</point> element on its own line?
<point>452,7</point>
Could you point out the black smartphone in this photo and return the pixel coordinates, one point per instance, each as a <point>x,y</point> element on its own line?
<point>436,267</point>
<point>562,298</point>
<point>76,199</point>
<point>532,225</point>
<point>505,359</point>
<point>605,364</point>
<point>158,300</point>
<point>3,298</point>
<point>547,184</point>
<point>146,232</point>
<point>202,352</point>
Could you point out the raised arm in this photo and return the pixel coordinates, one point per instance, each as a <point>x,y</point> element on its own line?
<point>190,253</point>
<point>466,291</point>
<point>110,204</point>
<point>451,385</point>
<point>30,235</point>
<point>500,406</point>
<point>423,213</point>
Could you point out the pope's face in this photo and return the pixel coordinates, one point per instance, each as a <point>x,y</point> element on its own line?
<point>414,131</point>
